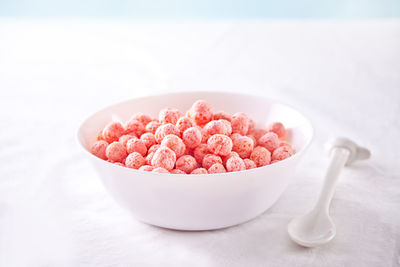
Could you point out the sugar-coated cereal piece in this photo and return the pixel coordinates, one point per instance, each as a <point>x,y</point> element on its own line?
<point>169,115</point>
<point>274,161</point>
<point>135,160</point>
<point>134,126</point>
<point>210,159</point>
<point>200,112</point>
<point>113,131</point>
<point>153,148</point>
<point>165,130</point>
<point>284,143</point>
<point>261,156</point>
<point>152,126</point>
<point>99,149</point>
<point>176,171</point>
<point>175,143</point>
<point>219,144</point>
<point>116,152</point>
<point>232,154</point>
<point>243,146</point>
<point>146,168</point>
<point>257,133</point>
<point>160,170</point>
<point>143,118</point>
<point>216,168</point>
<point>240,123</point>
<point>149,157</point>
<point>269,140</point>
<point>253,138</point>
<point>148,139</point>
<point>235,164</point>
<point>228,126</point>
<point>186,163</point>
<point>184,123</point>
<point>234,136</point>
<point>278,128</point>
<point>222,115</point>
<point>199,152</point>
<point>192,137</point>
<point>164,157</point>
<point>249,164</point>
<point>251,126</point>
<point>125,138</point>
<point>214,127</point>
<point>100,136</point>
<point>282,153</point>
<point>136,145</point>
<point>199,171</point>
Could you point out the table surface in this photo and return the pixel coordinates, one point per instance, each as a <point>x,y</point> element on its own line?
<point>344,75</point>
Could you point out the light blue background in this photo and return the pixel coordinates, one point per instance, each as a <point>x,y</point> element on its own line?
<point>200,9</point>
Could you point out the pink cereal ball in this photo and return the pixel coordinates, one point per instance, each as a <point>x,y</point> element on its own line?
<point>186,163</point>
<point>269,140</point>
<point>235,164</point>
<point>274,161</point>
<point>164,157</point>
<point>249,164</point>
<point>192,137</point>
<point>240,123</point>
<point>234,136</point>
<point>125,138</point>
<point>222,115</point>
<point>214,127</point>
<point>199,152</point>
<point>252,138</point>
<point>210,159</point>
<point>136,145</point>
<point>216,168</point>
<point>135,160</point>
<point>243,146</point>
<point>152,126</point>
<point>200,112</point>
<point>219,144</point>
<point>99,149</point>
<point>199,171</point>
<point>160,170</point>
<point>228,126</point>
<point>113,131</point>
<point>251,126</point>
<point>184,123</point>
<point>116,152</point>
<point>134,126</point>
<point>257,133</point>
<point>146,168</point>
<point>176,171</point>
<point>148,139</point>
<point>284,143</point>
<point>143,118</point>
<point>169,115</point>
<point>149,157</point>
<point>261,156</point>
<point>100,136</point>
<point>165,130</point>
<point>278,128</point>
<point>175,143</point>
<point>282,153</point>
<point>153,148</point>
<point>232,154</point>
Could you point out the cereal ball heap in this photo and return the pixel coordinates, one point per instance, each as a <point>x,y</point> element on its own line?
<point>199,142</point>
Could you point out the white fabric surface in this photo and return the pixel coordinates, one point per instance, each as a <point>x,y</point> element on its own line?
<point>54,73</point>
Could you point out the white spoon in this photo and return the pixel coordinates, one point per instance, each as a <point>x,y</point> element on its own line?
<point>316,227</point>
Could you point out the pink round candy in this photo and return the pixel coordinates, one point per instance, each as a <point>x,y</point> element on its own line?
<point>146,168</point>
<point>232,154</point>
<point>153,148</point>
<point>269,140</point>
<point>200,112</point>
<point>148,139</point>
<point>282,153</point>
<point>252,138</point>
<point>284,143</point>
<point>210,159</point>
<point>228,126</point>
<point>261,156</point>
<point>125,138</point>
<point>186,163</point>
<point>257,133</point>
<point>222,115</point>
<point>249,164</point>
<point>175,143</point>
<point>243,146</point>
<point>152,126</point>
<point>135,160</point>
<point>234,136</point>
<point>176,171</point>
<point>99,149</point>
<point>199,152</point>
<point>214,127</point>
<point>240,123</point>
<point>164,157</point>
<point>278,128</point>
<point>199,171</point>
<point>235,164</point>
<point>116,152</point>
<point>165,130</point>
<point>251,126</point>
<point>184,123</point>
<point>113,131</point>
<point>219,144</point>
<point>149,157</point>
<point>160,170</point>
<point>169,115</point>
<point>192,137</point>
<point>143,118</point>
<point>216,168</point>
<point>134,126</point>
<point>136,145</point>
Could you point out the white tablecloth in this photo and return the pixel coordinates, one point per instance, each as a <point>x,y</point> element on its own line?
<point>54,211</point>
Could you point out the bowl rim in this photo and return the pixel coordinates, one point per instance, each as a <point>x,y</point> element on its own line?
<point>195,176</point>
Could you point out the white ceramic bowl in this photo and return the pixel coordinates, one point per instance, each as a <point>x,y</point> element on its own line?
<point>199,202</point>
